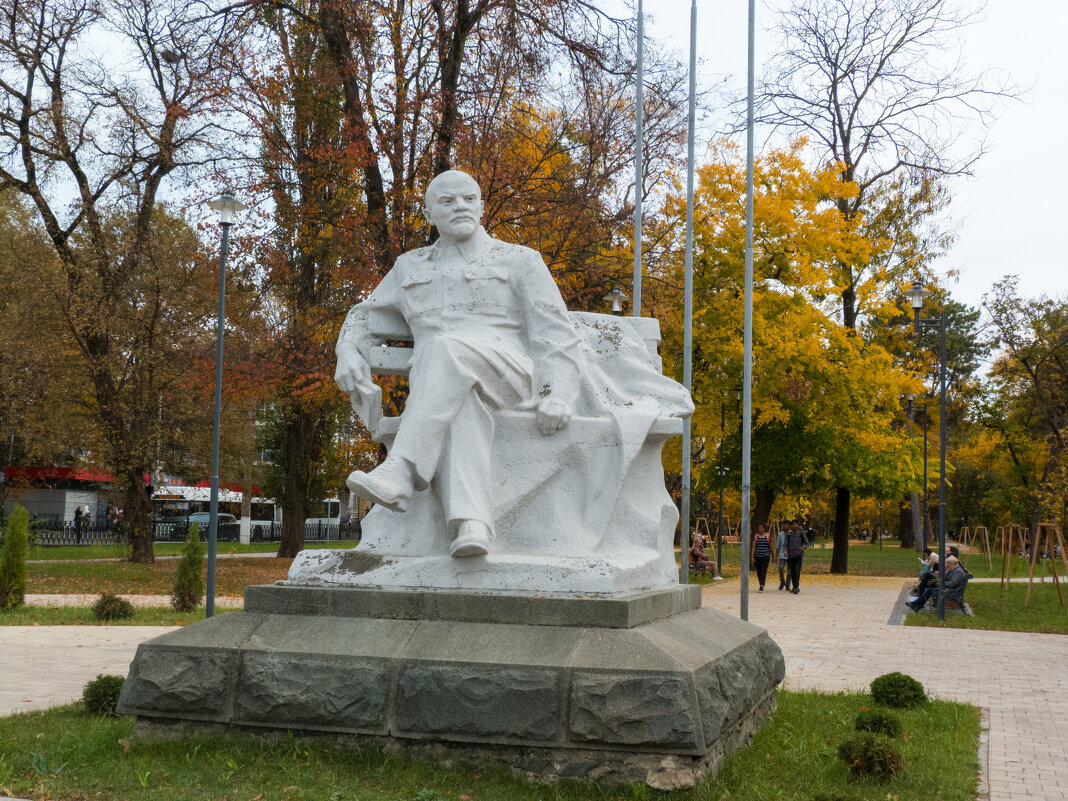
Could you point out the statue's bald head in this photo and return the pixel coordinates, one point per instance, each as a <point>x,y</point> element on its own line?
<point>453,204</point>
<point>453,180</point>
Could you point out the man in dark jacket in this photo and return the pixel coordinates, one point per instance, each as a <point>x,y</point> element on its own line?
<point>956,580</point>
<point>795,549</point>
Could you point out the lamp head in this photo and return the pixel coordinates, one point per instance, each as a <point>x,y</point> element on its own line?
<point>227,206</point>
<point>916,295</point>
<point>617,297</point>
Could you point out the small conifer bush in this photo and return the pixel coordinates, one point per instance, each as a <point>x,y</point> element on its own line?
<point>188,587</point>
<point>897,691</point>
<point>13,559</point>
<point>101,695</point>
<point>880,721</point>
<point>870,754</point>
<point>112,607</point>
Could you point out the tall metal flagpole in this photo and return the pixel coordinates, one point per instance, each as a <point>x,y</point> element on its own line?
<point>747,365</point>
<point>687,304</point>
<point>639,113</point>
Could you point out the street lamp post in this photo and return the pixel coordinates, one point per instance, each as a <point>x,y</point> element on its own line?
<point>916,296</point>
<point>722,471</point>
<point>926,517</point>
<point>227,206</point>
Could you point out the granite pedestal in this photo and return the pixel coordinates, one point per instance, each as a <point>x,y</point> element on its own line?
<point>648,687</point>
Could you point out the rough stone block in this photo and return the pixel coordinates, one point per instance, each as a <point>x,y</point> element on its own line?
<point>193,684</point>
<point>290,690</point>
<point>657,711</point>
<point>508,704</point>
<point>714,707</point>
<point>734,682</point>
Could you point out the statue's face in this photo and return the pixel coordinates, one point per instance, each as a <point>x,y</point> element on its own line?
<point>454,205</point>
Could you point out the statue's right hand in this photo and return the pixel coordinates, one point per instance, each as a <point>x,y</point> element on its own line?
<point>353,375</point>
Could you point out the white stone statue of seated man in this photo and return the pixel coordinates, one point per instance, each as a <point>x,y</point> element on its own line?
<point>490,332</point>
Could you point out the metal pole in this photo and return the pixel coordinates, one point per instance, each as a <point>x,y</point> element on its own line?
<point>687,303</point>
<point>639,113</point>
<point>747,364</point>
<point>213,509</point>
<point>719,535</point>
<point>942,475</point>
<point>926,518</point>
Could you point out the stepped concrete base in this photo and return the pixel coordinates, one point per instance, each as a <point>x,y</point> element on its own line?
<point>648,688</point>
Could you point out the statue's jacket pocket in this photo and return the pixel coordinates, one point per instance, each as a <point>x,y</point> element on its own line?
<point>421,293</point>
<point>487,286</point>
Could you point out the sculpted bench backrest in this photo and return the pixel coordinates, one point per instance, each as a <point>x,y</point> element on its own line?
<point>600,333</point>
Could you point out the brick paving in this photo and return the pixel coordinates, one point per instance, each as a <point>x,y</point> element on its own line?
<point>835,637</point>
<point>834,634</point>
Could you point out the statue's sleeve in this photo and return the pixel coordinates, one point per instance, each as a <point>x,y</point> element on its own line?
<point>551,335</point>
<point>356,330</point>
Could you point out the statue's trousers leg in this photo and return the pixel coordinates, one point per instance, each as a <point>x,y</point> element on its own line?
<point>446,371</point>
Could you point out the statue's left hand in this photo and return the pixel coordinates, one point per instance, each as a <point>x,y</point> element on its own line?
<point>553,415</point>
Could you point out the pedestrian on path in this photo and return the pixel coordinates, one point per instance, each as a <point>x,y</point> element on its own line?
<point>780,550</point>
<point>795,550</point>
<point>761,550</point>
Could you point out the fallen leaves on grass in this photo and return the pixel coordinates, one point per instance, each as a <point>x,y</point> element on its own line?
<point>232,576</point>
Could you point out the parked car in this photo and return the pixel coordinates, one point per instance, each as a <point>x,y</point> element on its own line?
<point>175,527</point>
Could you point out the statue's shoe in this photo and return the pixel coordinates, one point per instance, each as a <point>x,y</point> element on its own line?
<point>389,484</point>
<point>472,539</point>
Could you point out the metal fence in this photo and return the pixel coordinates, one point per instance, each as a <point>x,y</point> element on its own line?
<point>313,532</point>
<point>67,533</point>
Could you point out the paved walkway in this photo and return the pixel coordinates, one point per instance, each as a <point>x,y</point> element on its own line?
<point>834,635</point>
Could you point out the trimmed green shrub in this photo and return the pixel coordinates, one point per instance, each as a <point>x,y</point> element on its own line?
<point>188,587</point>
<point>897,691</point>
<point>880,721</point>
<point>101,695</point>
<point>13,559</point>
<point>112,607</point>
<point>871,754</point>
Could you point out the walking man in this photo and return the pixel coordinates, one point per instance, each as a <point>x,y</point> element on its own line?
<point>795,549</point>
<point>780,550</point>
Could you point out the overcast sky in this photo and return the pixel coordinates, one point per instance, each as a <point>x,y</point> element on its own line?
<point>1009,218</point>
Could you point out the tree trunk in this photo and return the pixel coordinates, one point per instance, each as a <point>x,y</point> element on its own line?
<point>136,511</point>
<point>300,452</point>
<point>917,521</point>
<point>905,524</point>
<point>765,499</point>
<point>840,555</point>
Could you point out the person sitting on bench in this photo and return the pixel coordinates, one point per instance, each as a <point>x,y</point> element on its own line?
<point>956,580</point>
<point>700,560</point>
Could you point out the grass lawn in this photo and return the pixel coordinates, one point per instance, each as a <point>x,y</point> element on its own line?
<point>50,552</point>
<point>977,565</point>
<point>62,753</point>
<point>83,616</point>
<point>231,576</point>
<point>864,560</point>
<point>1003,610</point>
